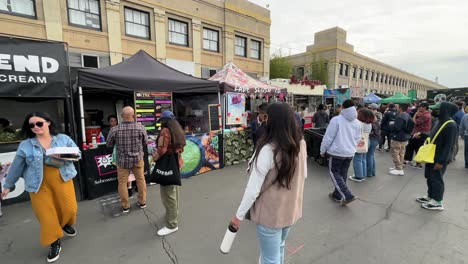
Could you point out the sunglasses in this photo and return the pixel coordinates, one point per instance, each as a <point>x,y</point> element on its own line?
<point>38,124</point>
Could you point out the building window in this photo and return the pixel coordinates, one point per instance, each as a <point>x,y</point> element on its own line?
<point>178,32</point>
<point>346,73</point>
<point>84,13</point>
<point>341,69</point>
<point>210,40</point>
<point>137,23</point>
<point>377,76</point>
<point>367,75</point>
<point>18,7</point>
<point>255,49</point>
<point>381,78</point>
<point>372,76</point>
<point>89,61</point>
<point>354,72</point>
<point>300,71</point>
<point>241,47</point>
<point>361,73</point>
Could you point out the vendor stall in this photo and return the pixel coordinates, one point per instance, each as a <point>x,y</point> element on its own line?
<point>398,98</point>
<point>150,87</point>
<point>242,95</point>
<point>371,98</point>
<point>334,97</point>
<point>34,76</point>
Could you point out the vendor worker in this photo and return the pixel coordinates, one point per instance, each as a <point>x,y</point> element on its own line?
<point>113,121</point>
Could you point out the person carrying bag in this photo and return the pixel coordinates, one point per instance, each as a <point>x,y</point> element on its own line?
<point>166,171</point>
<point>426,153</point>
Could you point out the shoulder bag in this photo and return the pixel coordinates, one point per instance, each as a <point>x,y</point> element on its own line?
<point>166,169</point>
<point>363,143</point>
<point>426,153</point>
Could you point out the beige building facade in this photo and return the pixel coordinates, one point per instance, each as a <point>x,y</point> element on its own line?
<point>194,36</point>
<point>349,69</point>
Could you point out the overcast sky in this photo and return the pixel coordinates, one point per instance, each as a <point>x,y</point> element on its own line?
<point>426,37</point>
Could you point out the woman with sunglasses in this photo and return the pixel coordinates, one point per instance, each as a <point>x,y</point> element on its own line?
<point>48,179</point>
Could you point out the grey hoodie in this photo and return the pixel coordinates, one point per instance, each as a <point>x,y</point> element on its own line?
<point>342,135</point>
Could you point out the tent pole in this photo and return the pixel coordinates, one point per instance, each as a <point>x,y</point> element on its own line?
<point>82,118</point>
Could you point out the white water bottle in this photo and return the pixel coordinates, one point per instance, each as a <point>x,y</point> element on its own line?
<point>228,239</point>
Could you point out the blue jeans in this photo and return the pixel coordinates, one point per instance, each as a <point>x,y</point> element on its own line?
<point>272,242</point>
<point>466,151</point>
<point>360,165</point>
<point>373,143</point>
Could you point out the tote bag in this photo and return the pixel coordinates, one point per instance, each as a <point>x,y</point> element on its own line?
<point>363,143</point>
<point>426,153</point>
<point>166,169</point>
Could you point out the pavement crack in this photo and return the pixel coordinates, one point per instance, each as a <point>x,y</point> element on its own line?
<point>342,245</point>
<point>165,244</point>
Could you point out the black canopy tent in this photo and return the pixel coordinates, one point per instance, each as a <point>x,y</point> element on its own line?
<point>141,73</point>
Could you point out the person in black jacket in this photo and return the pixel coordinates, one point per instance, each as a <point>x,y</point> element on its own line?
<point>443,156</point>
<point>256,124</point>
<point>400,133</point>
<point>387,120</point>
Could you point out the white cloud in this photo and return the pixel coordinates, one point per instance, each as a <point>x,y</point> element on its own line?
<point>425,37</point>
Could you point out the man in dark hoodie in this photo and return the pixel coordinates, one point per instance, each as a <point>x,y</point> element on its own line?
<point>444,155</point>
<point>387,121</point>
<point>401,133</point>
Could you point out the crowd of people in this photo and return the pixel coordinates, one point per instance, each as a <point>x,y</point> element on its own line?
<point>358,132</point>
<point>274,194</point>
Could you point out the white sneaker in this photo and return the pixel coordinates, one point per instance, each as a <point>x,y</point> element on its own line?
<point>391,168</point>
<point>166,231</point>
<point>397,172</point>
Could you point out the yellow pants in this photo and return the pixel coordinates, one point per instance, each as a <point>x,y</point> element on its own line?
<point>54,205</point>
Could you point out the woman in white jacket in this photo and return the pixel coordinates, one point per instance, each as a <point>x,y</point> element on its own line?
<point>366,118</point>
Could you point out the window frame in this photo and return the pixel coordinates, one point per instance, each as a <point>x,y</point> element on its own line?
<point>245,46</point>
<point>259,49</point>
<point>367,75</point>
<point>81,26</point>
<point>218,46</point>
<point>22,15</point>
<point>354,72</point>
<point>148,26</point>
<point>346,70</point>
<point>187,36</point>
<point>341,69</point>
<point>361,74</point>
<point>90,55</point>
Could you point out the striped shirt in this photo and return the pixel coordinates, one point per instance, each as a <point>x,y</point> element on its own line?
<point>129,138</point>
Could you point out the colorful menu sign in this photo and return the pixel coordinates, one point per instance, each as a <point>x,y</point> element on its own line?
<point>149,106</point>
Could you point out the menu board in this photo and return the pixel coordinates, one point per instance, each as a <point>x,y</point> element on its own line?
<point>149,106</point>
<point>214,117</point>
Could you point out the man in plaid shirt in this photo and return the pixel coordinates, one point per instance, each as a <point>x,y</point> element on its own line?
<point>129,138</point>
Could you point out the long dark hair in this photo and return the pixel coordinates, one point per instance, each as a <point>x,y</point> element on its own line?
<point>27,132</point>
<point>284,134</point>
<point>366,116</point>
<point>177,133</point>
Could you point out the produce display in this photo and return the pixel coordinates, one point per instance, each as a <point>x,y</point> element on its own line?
<point>7,136</point>
<point>238,147</point>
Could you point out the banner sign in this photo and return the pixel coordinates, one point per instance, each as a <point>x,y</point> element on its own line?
<point>235,106</point>
<point>30,68</point>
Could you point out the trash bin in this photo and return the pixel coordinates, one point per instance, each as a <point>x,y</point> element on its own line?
<point>313,138</point>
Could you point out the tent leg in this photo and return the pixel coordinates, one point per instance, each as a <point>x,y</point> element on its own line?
<point>82,117</point>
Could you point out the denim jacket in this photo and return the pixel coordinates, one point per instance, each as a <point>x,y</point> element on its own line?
<point>29,162</point>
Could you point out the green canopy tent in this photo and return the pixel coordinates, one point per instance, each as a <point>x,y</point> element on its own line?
<point>398,98</point>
